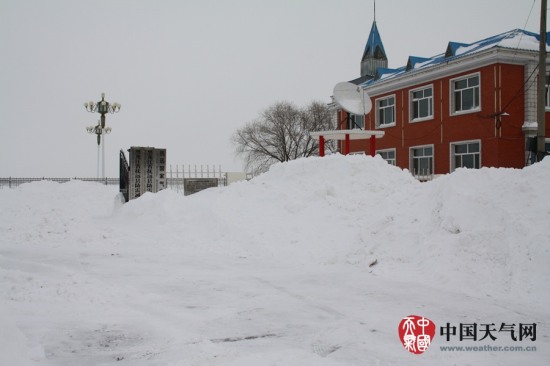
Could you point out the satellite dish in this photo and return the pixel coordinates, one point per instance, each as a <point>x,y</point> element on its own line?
<point>352,98</point>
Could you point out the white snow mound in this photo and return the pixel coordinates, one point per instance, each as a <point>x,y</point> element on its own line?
<point>313,262</point>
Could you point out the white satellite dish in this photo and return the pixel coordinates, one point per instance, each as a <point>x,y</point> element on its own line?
<point>352,98</point>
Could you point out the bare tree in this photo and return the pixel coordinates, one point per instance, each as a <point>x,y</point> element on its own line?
<point>281,133</point>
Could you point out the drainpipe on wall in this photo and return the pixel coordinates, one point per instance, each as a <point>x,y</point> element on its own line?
<point>541,105</point>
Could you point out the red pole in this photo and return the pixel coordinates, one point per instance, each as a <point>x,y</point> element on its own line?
<point>321,146</point>
<point>346,148</point>
<point>372,145</point>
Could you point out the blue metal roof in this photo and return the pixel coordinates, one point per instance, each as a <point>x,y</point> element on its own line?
<point>382,72</point>
<point>452,47</point>
<point>515,39</point>
<point>414,60</point>
<point>374,42</point>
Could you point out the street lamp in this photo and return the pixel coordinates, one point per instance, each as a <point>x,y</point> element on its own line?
<point>97,130</point>
<point>102,107</point>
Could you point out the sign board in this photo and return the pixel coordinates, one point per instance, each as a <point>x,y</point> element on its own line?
<point>147,171</point>
<point>194,185</point>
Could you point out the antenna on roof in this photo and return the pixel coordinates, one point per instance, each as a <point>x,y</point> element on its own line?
<point>374,22</point>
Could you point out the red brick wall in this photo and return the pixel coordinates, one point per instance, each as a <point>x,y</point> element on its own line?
<point>501,91</point>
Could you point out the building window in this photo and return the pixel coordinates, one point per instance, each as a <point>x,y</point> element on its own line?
<point>356,121</point>
<point>385,111</point>
<point>466,155</point>
<point>421,104</point>
<point>465,94</point>
<point>388,155</point>
<point>422,161</point>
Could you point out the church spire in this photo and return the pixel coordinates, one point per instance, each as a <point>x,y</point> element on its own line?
<point>374,55</point>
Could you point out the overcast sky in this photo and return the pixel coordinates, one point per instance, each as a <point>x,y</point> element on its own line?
<point>188,73</point>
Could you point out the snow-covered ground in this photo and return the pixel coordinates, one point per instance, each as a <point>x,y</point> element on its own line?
<point>313,263</point>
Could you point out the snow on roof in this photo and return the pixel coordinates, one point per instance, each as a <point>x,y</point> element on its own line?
<point>415,61</point>
<point>383,72</point>
<point>518,39</point>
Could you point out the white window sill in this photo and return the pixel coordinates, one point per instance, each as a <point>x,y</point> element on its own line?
<point>424,119</point>
<point>385,126</point>
<point>466,112</point>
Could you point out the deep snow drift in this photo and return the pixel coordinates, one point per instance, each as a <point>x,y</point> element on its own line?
<point>313,263</point>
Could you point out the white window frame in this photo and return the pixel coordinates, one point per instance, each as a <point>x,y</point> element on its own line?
<point>377,109</point>
<point>411,161</point>
<point>412,101</point>
<point>362,120</point>
<point>452,154</point>
<point>389,160</point>
<point>452,94</point>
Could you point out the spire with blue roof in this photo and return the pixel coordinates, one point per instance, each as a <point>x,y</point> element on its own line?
<point>374,55</point>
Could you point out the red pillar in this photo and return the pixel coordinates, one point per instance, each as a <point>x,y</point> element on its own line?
<point>321,146</point>
<point>372,145</point>
<point>346,147</point>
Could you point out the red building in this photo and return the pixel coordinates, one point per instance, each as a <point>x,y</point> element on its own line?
<point>472,106</point>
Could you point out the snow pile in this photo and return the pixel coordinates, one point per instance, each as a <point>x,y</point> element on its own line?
<point>314,262</point>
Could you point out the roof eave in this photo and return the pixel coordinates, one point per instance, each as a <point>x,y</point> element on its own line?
<point>453,66</point>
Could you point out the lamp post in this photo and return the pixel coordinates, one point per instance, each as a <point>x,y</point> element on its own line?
<point>102,107</point>
<point>97,130</point>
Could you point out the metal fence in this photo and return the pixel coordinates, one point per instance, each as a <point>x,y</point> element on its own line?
<point>177,174</point>
<point>174,178</point>
<point>11,182</point>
